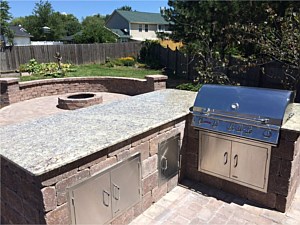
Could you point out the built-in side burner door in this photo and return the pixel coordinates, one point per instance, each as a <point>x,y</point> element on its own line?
<point>215,153</point>
<point>125,185</point>
<point>249,164</point>
<point>91,201</point>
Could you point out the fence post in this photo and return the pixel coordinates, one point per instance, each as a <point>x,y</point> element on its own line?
<point>168,56</point>
<point>260,77</point>
<point>187,66</point>
<point>176,61</point>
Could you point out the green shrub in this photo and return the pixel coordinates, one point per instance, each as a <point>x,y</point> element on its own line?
<point>127,61</point>
<point>189,86</point>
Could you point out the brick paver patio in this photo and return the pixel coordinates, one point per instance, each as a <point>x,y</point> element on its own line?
<point>41,107</point>
<point>192,203</point>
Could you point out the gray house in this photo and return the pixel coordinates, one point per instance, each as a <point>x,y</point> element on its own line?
<point>21,37</point>
<point>139,26</point>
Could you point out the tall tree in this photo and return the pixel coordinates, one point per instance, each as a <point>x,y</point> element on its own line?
<point>125,8</point>
<point>93,31</point>
<point>5,16</point>
<point>43,15</point>
<point>213,31</point>
<point>71,24</point>
<point>17,21</point>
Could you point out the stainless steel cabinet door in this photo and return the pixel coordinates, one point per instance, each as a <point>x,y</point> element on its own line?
<point>92,201</point>
<point>168,158</point>
<point>125,185</point>
<point>214,154</point>
<point>248,164</point>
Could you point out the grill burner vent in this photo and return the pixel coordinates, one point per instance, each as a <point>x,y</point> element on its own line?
<point>252,113</point>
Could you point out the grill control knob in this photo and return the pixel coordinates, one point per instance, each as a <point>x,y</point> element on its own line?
<point>238,127</point>
<point>230,126</point>
<point>248,130</point>
<point>267,133</point>
<point>215,123</point>
<point>200,120</point>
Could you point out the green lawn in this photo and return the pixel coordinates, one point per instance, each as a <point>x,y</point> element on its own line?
<point>101,70</point>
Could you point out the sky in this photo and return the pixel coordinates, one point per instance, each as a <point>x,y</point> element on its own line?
<point>82,8</point>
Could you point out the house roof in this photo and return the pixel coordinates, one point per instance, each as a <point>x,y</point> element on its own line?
<point>19,31</point>
<point>142,17</point>
<point>71,37</point>
<point>121,33</point>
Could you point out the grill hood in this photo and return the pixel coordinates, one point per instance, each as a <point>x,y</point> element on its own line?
<point>252,113</point>
<point>246,102</point>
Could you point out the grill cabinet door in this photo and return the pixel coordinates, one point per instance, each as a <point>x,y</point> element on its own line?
<point>249,164</point>
<point>168,158</point>
<point>125,185</point>
<point>92,201</point>
<point>214,155</point>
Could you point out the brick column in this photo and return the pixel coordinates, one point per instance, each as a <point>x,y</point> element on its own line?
<point>156,82</point>
<point>9,88</point>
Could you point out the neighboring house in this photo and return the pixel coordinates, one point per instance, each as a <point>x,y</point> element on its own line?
<point>21,37</point>
<point>70,39</point>
<point>133,25</point>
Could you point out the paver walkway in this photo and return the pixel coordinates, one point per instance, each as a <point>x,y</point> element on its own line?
<point>41,107</point>
<point>193,203</point>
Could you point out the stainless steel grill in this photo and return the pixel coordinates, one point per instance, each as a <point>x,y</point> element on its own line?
<point>252,113</point>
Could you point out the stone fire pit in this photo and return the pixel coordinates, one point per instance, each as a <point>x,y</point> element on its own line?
<point>79,100</point>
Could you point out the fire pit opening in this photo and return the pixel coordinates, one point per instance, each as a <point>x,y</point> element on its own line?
<point>81,95</point>
<point>79,100</point>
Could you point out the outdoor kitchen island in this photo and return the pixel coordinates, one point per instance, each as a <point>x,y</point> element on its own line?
<point>50,166</point>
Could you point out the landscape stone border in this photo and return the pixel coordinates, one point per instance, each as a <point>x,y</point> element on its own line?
<point>12,90</point>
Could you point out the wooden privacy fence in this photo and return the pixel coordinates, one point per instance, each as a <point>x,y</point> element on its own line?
<point>12,58</point>
<point>185,66</point>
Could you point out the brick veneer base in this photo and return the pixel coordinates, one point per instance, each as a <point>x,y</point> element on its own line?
<point>284,175</point>
<point>13,91</point>
<point>28,199</point>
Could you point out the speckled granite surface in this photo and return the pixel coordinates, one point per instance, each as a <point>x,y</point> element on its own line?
<point>294,122</point>
<point>45,144</point>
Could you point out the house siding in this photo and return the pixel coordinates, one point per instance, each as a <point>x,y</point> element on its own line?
<point>116,21</point>
<point>19,41</point>
<point>136,35</point>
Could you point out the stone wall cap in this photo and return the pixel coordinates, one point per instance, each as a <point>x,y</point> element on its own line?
<point>157,77</point>
<point>9,80</point>
<point>73,79</point>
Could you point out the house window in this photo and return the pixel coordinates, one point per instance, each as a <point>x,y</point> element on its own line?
<point>161,28</point>
<point>146,27</point>
<point>140,27</point>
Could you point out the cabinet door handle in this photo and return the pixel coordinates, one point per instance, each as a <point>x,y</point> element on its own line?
<point>116,192</point>
<point>225,158</point>
<point>235,160</point>
<point>164,168</point>
<point>105,193</point>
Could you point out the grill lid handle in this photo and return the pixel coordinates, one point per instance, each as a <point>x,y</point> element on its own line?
<point>264,120</point>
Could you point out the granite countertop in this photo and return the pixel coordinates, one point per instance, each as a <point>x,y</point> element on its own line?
<point>293,123</point>
<point>45,144</point>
